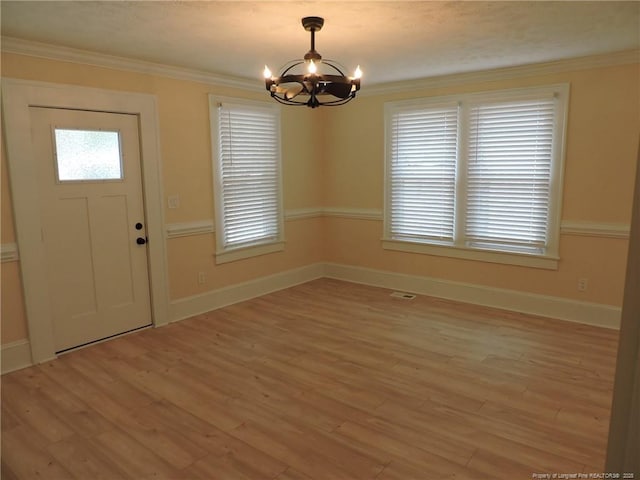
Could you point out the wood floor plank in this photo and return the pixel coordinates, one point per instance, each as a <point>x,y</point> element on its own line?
<point>402,471</point>
<point>291,474</point>
<point>422,436</point>
<point>570,443</point>
<point>290,449</point>
<point>166,441</point>
<point>325,380</point>
<point>32,410</point>
<point>314,443</point>
<point>108,399</point>
<point>25,456</point>
<point>69,408</point>
<point>8,419</point>
<point>85,460</point>
<point>121,448</point>
<point>227,466</point>
<point>390,448</point>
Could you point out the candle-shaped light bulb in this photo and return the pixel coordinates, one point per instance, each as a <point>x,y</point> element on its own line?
<point>358,72</point>
<point>266,72</point>
<point>312,67</point>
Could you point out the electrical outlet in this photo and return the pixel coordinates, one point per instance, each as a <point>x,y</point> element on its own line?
<point>202,278</point>
<point>173,201</point>
<point>583,283</point>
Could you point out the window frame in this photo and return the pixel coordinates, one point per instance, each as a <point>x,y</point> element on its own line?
<point>225,254</point>
<point>57,156</point>
<point>458,248</point>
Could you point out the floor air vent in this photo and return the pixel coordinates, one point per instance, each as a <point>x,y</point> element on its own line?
<point>404,295</point>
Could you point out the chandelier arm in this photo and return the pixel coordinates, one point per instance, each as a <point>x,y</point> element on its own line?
<point>337,79</point>
<point>294,78</point>
<point>341,101</point>
<point>299,77</point>
<point>309,102</point>
<point>316,79</point>
<point>297,62</point>
<point>333,64</point>
<point>293,103</point>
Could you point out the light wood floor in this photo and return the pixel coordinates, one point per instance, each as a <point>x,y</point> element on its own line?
<point>326,380</point>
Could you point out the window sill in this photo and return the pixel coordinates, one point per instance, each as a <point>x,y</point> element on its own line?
<point>547,262</point>
<point>231,255</point>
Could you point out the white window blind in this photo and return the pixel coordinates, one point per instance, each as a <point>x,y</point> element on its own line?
<point>423,165</point>
<point>248,175</point>
<point>477,175</point>
<point>509,174</point>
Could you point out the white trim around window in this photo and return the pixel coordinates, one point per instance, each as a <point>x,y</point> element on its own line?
<point>477,176</point>
<point>247,178</point>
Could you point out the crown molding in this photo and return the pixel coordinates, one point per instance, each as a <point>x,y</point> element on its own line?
<point>572,64</point>
<point>86,57</point>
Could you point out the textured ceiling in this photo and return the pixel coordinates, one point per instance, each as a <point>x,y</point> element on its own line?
<point>390,40</point>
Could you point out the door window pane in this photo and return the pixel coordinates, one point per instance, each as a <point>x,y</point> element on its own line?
<point>88,155</point>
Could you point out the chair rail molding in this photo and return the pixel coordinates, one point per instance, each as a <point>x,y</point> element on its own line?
<point>185,229</point>
<point>9,252</point>
<point>592,229</point>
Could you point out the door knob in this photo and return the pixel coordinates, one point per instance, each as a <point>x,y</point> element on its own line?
<point>141,241</point>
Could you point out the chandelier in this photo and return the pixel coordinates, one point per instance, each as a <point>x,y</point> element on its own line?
<point>312,81</point>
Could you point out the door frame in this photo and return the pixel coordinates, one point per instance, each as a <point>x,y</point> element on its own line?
<point>17,98</point>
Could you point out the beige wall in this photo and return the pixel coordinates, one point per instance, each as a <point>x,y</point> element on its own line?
<point>602,133</point>
<point>334,158</point>
<point>187,171</point>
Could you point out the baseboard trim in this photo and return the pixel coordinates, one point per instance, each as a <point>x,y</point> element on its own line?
<point>547,306</point>
<point>16,355</point>
<point>198,304</point>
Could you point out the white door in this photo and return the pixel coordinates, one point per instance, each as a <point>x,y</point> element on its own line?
<point>92,215</point>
